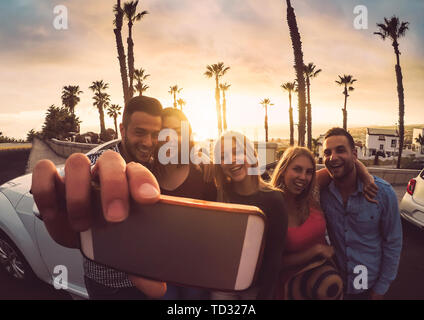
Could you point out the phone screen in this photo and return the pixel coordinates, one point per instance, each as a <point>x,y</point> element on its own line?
<point>178,244</point>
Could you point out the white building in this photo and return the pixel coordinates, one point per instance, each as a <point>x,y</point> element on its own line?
<point>415,133</point>
<point>384,141</point>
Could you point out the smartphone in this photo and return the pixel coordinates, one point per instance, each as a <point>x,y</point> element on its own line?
<point>182,241</point>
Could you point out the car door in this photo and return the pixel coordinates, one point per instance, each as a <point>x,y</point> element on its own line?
<point>58,258</point>
<point>418,194</point>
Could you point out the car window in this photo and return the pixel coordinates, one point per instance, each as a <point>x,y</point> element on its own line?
<point>105,146</point>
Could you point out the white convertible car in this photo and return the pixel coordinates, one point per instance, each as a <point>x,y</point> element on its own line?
<point>26,248</point>
<point>412,204</point>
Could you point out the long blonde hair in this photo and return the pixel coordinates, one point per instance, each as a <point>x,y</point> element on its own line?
<point>309,196</point>
<point>223,183</point>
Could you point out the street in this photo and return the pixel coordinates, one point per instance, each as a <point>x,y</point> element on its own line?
<point>409,284</point>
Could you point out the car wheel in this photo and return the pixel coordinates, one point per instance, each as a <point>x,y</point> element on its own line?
<point>13,262</point>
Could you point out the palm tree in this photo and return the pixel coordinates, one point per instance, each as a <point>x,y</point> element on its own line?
<point>141,88</point>
<point>217,70</point>
<point>298,65</point>
<point>346,81</point>
<point>266,102</point>
<point>394,29</point>
<point>181,103</point>
<point>114,111</point>
<point>130,12</point>
<point>140,77</point>
<point>224,87</point>
<point>70,97</point>
<point>119,16</point>
<point>101,101</point>
<point>420,141</point>
<point>315,145</point>
<point>310,73</point>
<point>173,90</point>
<point>290,87</point>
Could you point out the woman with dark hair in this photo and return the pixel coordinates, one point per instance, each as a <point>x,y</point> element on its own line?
<point>177,173</point>
<point>179,176</point>
<point>239,182</point>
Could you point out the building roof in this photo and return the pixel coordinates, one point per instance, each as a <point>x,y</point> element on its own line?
<point>382,132</point>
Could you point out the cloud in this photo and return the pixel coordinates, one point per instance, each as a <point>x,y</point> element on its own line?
<point>177,39</point>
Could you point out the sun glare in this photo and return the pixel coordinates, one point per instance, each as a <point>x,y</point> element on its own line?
<point>201,112</point>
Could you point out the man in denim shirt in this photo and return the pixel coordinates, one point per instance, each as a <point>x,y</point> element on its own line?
<point>367,236</point>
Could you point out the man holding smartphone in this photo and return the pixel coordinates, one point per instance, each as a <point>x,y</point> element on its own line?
<point>65,202</point>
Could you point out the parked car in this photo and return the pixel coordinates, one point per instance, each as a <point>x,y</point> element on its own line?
<point>412,204</point>
<point>26,248</point>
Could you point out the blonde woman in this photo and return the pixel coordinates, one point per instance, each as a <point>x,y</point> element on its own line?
<point>236,183</point>
<point>307,268</point>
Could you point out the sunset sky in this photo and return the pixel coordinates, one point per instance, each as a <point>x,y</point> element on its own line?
<point>177,39</point>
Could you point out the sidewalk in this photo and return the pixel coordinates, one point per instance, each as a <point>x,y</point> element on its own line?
<point>41,151</point>
<point>400,191</point>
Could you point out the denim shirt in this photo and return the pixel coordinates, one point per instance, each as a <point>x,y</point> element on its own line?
<point>364,234</point>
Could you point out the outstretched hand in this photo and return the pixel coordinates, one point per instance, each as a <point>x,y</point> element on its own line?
<point>65,202</point>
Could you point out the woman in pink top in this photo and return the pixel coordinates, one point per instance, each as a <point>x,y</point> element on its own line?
<point>308,271</point>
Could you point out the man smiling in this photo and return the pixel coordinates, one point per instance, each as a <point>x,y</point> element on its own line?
<point>65,203</point>
<point>365,234</point>
<point>140,128</point>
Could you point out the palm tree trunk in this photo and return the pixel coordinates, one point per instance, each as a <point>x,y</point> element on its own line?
<point>399,79</point>
<point>116,127</point>
<point>309,114</point>
<point>224,111</point>
<point>175,100</point>
<point>345,110</point>
<point>344,119</point>
<point>218,106</point>
<point>266,123</point>
<point>121,51</point>
<point>130,59</point>
<point>102,120</point>
<point>298,58</point>
<point>291,121</point>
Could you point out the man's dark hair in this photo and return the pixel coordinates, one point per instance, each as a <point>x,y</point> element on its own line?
<point>145,104</point>
<point>340,132</point>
